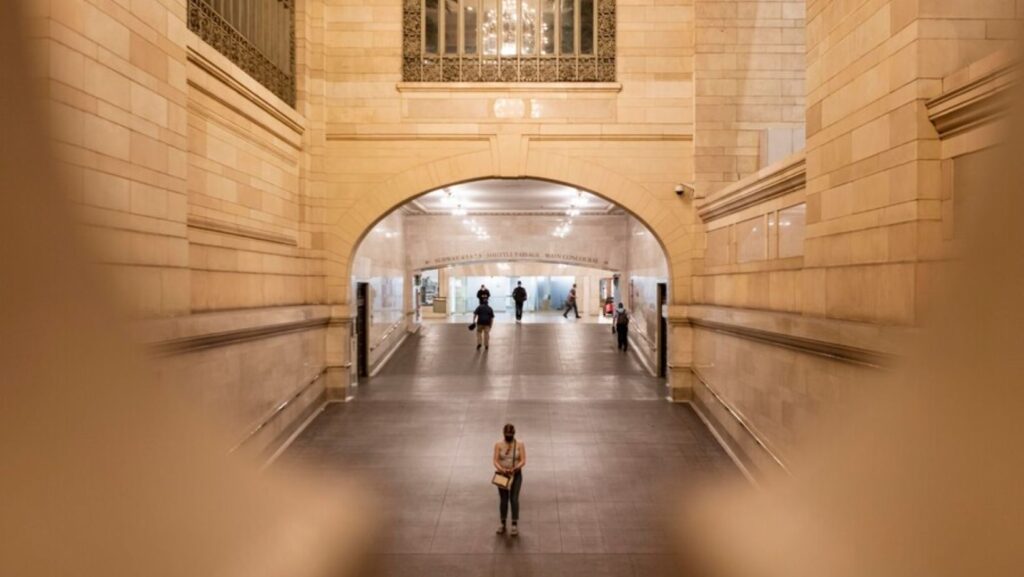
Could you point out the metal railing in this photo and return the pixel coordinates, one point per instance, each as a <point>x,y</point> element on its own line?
<point>257,35</point>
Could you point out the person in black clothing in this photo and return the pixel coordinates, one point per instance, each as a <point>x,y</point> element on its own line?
<point>483,294</point>
<point>483,318</point>
<point>570,303</point>
<point>519,296</point>
<point>620,326</point>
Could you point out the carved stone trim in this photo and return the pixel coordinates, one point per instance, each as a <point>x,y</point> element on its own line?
<point>834,351</point>
<point>239,230</point>
<point>524,86</point>
<point>283,115</point>
<point>213,29</point>
<point>978,102</point>
<point>780,179</point>
<point>211,340</point>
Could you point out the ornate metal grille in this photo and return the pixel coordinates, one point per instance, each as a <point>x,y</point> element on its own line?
<point>257,35</point>
<point>508,41</point>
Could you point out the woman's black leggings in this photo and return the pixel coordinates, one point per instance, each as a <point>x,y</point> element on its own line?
<point>511,495</point>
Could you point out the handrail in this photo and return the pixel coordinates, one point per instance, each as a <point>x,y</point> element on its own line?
<point>387,333</point>
<point>277,411</point>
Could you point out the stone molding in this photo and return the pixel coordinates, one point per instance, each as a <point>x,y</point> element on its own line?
<point>781,178</point>
<point>227,73</point>
<point>233,229</point>
<point>564,137</point>
<point>558,87</point>
<point>977,102</point>
<point>211,26</point>
<point>846,341</point>
<point>195,332</point>
<point>211,340</point>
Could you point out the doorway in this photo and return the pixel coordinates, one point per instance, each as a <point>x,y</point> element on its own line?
<point>362,329</point>
<point>662,330</point>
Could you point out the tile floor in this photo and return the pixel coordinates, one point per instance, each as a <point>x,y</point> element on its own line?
<point>606,455</point>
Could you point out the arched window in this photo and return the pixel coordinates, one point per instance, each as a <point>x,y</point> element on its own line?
<point>509,41</point>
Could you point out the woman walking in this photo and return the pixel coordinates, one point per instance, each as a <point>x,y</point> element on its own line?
<point>510,458</point>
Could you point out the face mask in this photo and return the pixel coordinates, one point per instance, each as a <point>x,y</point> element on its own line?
<point>508,438</point>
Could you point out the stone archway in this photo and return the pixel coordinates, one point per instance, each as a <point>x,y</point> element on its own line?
<point>345,229</point>
<point>660,213</point>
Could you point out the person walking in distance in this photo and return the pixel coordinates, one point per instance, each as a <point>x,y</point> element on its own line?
<point>570,303</point>
<point>510,458</point>
<point>483,294</point>
<point>519,296</point>
<point>620,326</point>
<point>483,318</point>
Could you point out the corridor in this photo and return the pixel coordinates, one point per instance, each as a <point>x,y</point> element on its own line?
<point>606,453</point>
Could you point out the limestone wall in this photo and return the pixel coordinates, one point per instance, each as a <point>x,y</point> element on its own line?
<point>187,175</point>
<point>629,141</point>
<point>116,84</point>
<point>749,87</point>
<point>229,221</point>
<point>787,331</point>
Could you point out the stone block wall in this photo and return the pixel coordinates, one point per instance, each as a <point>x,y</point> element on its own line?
<point>115,80</point>
<point>783,338</point>
<point>873,165</point>
<point>748,78</point>
<point>188,177</point>
<point>389,141</point>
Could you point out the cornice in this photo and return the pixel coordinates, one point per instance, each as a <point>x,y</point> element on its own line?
<point>205,59</point>
<point>980,101</point>
<point>239,230</point>
<point>211,340</point>
<point>505,87</point>
<point>774,181</point>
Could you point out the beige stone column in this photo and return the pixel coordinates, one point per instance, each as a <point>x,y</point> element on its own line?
<point>680,355</point>
<point>338,367</point>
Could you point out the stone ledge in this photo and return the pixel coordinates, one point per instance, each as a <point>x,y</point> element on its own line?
<point>976,95</point>
<point>234,229</point>
<point>783,177</point>
<point>204,330</point>
<point>504,87</point>
<point>861,343</point>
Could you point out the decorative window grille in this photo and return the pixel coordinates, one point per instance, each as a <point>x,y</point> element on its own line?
<point>509,41</point>
<point>257,35</point>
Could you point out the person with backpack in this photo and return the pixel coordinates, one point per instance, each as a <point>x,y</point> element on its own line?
<point>483,318</point>
<point>483,294</point>
<point>620,326</point>
<point>519,296</point>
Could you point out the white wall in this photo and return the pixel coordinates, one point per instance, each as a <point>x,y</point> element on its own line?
<point>645,268</point>
<point>436,241</point>
<point>381,261</point>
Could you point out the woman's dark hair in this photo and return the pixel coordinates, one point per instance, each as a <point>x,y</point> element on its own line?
<point>509,429</point>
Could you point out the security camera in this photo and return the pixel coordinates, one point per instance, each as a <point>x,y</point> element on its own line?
<point>682,190</point>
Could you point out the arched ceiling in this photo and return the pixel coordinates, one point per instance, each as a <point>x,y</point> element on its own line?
<point>510,196</point>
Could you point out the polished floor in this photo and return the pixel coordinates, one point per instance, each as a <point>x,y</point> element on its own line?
<point>608,458</point>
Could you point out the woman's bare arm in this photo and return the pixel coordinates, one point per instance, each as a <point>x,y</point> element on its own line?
<point>522,456</point>
<point>497,464</point>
